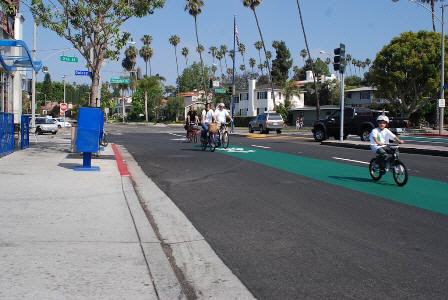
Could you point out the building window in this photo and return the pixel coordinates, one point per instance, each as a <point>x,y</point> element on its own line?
<point>244,96</point>
<point>262,95</point>
<point>365,95</point>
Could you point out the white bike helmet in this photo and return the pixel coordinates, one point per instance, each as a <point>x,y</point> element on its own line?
<point>221,104</point>
<point>382,118</point>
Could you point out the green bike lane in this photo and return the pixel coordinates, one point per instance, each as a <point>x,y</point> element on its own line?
<point>420,192</point>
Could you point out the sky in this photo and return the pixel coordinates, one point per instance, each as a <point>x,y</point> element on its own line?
<point>364,26</point>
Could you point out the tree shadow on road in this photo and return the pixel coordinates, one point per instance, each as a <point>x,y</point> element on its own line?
<point>359,179</point>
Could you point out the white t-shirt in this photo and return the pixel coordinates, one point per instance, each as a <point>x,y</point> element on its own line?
<point>382,136</point>
<point>221,115</point>
<point>208,116</point>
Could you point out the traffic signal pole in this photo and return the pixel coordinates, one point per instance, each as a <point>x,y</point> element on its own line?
<point>341,132</point>
<point>339,65</point>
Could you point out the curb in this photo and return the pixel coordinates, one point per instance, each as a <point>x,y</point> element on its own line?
<point>421,151</point>
<point>435,135</point>
<point>122,168</point>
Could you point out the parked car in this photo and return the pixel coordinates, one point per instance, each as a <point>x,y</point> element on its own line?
<point>61,123</point>
<point>267,121</point>
<point>357,121</point>
<point>46,125</point>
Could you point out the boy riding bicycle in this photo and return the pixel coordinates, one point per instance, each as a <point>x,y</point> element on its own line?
<point>379,141</point>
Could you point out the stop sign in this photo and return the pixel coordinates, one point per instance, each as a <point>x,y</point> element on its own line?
<point>63,107</point>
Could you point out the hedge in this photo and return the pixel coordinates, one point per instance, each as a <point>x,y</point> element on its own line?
<point>242,121</point>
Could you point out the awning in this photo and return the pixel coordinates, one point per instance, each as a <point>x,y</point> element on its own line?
<point>23,61</point>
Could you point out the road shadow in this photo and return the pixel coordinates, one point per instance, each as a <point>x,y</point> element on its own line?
<point>360,179</point>
<point>69,166</point>
<point>192,149</point>
<point>79,155</point>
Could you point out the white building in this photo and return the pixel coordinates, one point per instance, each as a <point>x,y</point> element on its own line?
<point>310,78</point>
<point>257,100</point>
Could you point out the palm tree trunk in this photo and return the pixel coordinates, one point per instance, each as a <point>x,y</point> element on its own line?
<point>312,66</point>
<point>432,10</point>
<point>150,68</point>
<point>146,105</point>
<point>200,53</point>
<point>177,65</point>
<point>259,55</point>
<point>269,68</point>
<point>146,68</point>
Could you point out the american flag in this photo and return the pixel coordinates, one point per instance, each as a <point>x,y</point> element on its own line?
<point>237,36</point>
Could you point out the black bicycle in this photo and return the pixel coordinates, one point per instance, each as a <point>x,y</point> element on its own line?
<point>211,138</point>
<point>223,137</point>
<point>103,139</point>
<point>393,164</point>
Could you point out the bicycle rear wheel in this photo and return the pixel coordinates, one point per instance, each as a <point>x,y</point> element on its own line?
<point>225,140</point>
<point>195,138</point>
<point>374,170</point>
<point>400,173</point>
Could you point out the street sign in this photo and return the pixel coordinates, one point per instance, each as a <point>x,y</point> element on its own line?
<point>82,73</point>
<point>441,103</point>
<point>215,83</point>
<point>63,106</point>
<point>120,80</point>
<point>445,87</point>
<point>69,58</point>
<point>220,91</point>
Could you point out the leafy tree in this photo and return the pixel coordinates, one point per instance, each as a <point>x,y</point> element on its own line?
<point>319,66</point>
<point>173,107</point>
<point>107,98</point>
<point>353,81</point>
<point>406,70</point>
<point>152,88</point>
<point>92,25</point>
<point>281,64</point>
<point>192,78</point>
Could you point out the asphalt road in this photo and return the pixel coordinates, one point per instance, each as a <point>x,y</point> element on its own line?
<point>294,219</point>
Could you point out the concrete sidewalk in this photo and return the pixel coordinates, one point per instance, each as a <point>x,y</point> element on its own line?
<point>404,148</point>
<point>98,235</point>
<point>76,235</point>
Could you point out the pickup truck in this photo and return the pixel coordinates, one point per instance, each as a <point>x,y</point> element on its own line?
<point>357,121</point>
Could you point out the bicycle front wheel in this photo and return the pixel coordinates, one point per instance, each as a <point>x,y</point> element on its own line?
<point>400,173</point>
<point>225,140</point>
<point>374,170</point>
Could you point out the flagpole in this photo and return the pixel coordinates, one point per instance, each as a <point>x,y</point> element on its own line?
<point>233,74</point>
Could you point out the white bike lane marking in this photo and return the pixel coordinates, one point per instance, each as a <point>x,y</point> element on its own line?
<point>351,160</point>
<point>263,147</point>
<point>235,150</point>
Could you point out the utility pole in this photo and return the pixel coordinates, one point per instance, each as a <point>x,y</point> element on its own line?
<point>233,73</point>
<point>33,80</point>
<point>339,65</point>
<point>64,94</point>
<point>442,73</point>
<point>122,104</point>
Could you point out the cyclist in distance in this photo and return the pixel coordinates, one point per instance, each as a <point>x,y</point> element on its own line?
<point>222,114</point>
<point>192,116</point>
<point>379,141</point>
<point>208,116</point>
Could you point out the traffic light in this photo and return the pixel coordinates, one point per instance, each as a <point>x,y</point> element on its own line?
<point>339,58</point>
<point>211,83</point>
<point>230,91</point>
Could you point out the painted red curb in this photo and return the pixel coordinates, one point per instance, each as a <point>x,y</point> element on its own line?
<point>122,168</point>
<point>435,135</point>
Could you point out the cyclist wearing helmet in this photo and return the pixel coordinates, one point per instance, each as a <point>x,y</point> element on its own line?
<point>208,116</point>
<point>379,140</point>
<point>222,114</point>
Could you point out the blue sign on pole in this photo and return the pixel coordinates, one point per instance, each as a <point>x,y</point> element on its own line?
<point>445,87</point>
<point>82,73</point>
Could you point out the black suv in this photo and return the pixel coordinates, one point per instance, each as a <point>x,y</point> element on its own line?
<point>356,121</point>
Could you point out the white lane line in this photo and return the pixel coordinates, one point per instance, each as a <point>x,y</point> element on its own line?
<point>261,147</point>
<point>352,160</point>
<point>176,134</point>
<point>183,139</point>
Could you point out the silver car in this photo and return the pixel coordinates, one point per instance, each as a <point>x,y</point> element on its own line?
<point>266,122</point>
<point>46,125</point>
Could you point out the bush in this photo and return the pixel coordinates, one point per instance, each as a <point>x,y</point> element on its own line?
<point>242,121</point>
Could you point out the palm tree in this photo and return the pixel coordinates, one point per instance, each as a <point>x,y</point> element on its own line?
<point>185,53</point>
<point>261,67</point>
<point>304,54</point>
<point>253,4</point>
<point>146,40</point>
<point>243,68</point>
<point>194,9</point>
<point>275,44</point>
<point>223,49</point>
<point>316,91</point>
<point>214,68</point>
<point>368,62</point>
<point>175,40</point>
<point>145,53</point>
<point>131,53</point>
<point>252,63</point>
<point>269,56</point>
<point>348,58</point>
<point>242,50</point>
<point>229,72</point>
<point>200,49</point>
<point>213,52</point>
<point>232,54</point>
<point>259,45</point>
<point>219,57</point>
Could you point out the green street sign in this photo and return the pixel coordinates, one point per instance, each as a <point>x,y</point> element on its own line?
<point>120,80</point>
<point>220,91</point>
<point>69,58</point>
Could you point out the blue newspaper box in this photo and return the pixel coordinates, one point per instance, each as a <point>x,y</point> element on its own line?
<point>90,124</point>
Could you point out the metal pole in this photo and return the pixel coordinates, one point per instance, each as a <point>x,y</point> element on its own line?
<point>442,73</point>
<point>33,81</point>
<point>341,132</point>
<point>233,75</point>
<point>64,98</point>
<point>122,104</point>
